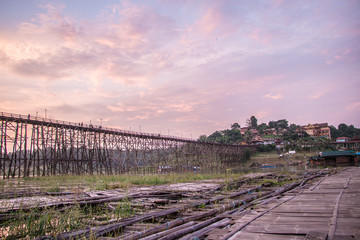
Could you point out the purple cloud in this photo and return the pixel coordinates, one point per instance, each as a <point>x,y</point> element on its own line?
<point>190,67</point>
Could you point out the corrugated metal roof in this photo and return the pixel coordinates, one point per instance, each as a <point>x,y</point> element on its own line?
<point>338,153</point>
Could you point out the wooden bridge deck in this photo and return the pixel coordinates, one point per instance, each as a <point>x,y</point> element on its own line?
<point>328,210</point>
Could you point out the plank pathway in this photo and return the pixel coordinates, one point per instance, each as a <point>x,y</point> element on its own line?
<point>328,210</point>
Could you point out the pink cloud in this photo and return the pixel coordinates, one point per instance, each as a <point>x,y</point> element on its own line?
<point>194,65</point>
<point>262,114</point>
<point>119,107</point>
<point>128,29</point>
<point>190,118</point>
<point>50,65</point>
<point>155,108</point>
<point>139,117</point>
<point>353,106</point>
<point>347,51</point>
<point>128,46</point>
<point>53,21</point>
<point>274,97</point>
<point>211,21</point>
<point>262,36</point>
<point>318,94</point>
<point>278,2</point>
<point>180,107</point>
<point>217,21</point>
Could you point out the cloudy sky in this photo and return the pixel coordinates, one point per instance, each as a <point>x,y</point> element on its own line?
<point>181,67</point>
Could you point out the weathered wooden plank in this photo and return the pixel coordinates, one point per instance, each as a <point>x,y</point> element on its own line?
<point>287,229</point>
<point>258,236</point>
<point>304,214</point>
<point>291,220</point>
<point>311,211</point>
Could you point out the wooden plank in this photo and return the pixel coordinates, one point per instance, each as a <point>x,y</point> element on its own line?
<point>287,229</point>
<point>291,220</point>
<point>258,236</point>
<point>311,211</point>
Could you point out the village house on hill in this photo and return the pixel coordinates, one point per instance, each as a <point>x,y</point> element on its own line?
<point>317,130</point>
<point>345,143</point>
<point>274,135</point>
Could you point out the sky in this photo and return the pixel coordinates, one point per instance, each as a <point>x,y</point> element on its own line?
<point>180,67</point>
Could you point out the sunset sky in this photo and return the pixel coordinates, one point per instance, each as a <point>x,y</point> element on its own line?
<point>181,67</point>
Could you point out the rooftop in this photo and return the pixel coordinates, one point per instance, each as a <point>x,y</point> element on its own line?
<point>337,153</point>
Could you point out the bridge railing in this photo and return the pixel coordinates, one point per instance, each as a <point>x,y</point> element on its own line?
<point>73,124</point>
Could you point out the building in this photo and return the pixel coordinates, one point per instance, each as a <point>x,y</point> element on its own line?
<point>318,130</point>
<point>338,158</point>
<point>253,131</point>
<point>270,131</point>
<point>257,140</point>
<point>342,139</point>
<point>268,141</point>
<point>345,143</point>
<point>243,130</point>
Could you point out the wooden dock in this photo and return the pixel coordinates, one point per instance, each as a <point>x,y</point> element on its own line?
<point>330,210</point>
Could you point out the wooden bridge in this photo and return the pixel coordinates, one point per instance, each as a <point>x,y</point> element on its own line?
<point>328,210</point>
<point>33,146</point>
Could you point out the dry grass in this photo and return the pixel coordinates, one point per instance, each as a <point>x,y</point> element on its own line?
<point>101,182</point>
<point>272,158</point>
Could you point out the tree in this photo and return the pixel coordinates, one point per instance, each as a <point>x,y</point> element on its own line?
<point>252,122</point>
<point>229,136</point>
<point>248,136</point>
<point>294,127</point>
<point>273,124</point>
<point>232,135</point>
<point>202,138</point>
<point>216,137</point>
<point>342,129</point>
<point>235,126</point>
<point>334,132</point>
<point>347,131</point>
<point>290,135</point>
<point>351,131</point>
<point>357,132</point>
<point>283,123</point>
<point>262,127</point>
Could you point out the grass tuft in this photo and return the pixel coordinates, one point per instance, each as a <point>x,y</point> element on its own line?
<point>35,223</point>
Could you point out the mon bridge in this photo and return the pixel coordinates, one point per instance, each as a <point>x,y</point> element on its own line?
<point>33,146</point>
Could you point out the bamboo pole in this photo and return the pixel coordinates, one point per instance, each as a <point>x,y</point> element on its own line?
<point>203,231</point>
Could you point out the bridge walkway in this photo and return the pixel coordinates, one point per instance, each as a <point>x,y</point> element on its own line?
<point>329,210</point>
